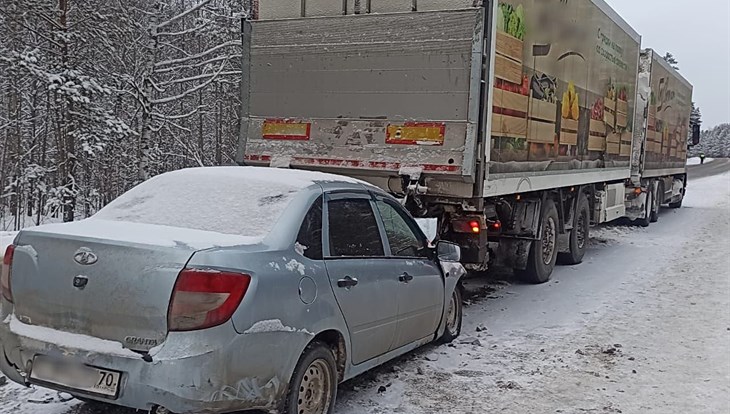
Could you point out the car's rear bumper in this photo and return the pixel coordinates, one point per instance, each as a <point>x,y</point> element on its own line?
<point>190,373</point>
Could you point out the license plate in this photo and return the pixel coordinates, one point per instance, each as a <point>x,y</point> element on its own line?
<point>75,376</point>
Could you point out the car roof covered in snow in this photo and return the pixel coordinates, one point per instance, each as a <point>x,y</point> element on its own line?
<point>297,178</point>
<point>239,201</point>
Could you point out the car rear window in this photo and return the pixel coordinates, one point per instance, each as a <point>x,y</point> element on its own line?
<point>236,201</point>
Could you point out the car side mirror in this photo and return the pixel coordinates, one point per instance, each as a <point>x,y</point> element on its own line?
<point>448,252</point>
<point>695,134</point>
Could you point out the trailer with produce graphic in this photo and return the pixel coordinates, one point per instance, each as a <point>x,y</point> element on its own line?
<point>664,114</point>
<point>511,125</point>
<point>562,101</point>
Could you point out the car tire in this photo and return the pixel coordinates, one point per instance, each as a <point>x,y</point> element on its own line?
<point>580,235</point>
<point>544,252</point>
<point>313,388</point>
<point>454,317</point>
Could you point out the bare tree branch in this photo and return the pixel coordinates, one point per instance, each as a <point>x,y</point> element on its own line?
<point>183,14</point>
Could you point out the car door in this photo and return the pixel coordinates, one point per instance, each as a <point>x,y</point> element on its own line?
<point>420,281</point>
<point>361,276</point>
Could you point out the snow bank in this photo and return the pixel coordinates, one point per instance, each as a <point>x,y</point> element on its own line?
<point>697,161</point>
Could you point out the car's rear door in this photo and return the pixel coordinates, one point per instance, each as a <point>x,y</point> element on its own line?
<point>362,278</point>
<point>420,281</point>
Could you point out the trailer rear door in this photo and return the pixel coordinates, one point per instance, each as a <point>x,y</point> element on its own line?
<point>367,95</point>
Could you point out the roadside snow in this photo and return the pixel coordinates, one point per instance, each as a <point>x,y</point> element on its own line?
<point>698,161</point>
<point>6,239</point>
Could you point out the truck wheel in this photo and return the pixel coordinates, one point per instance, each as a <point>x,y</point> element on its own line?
<point>678,204</point>
<point>313,387</point>
<point>644,222</point>
<point>454,315</point>
<point>579,236</point>
<point>657,205</point>
<point>544,252</point>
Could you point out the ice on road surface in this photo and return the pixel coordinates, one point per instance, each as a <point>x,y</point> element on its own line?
<point>643,325</point>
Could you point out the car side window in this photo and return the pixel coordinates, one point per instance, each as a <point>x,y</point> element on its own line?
<point>353,229</point>
<point>404,242</point>
<point>310,234</point>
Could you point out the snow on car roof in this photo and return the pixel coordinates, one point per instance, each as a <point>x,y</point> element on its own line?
<point>243,201</point>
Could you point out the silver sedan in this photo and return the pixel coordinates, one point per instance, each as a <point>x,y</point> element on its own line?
<point>222,289</point>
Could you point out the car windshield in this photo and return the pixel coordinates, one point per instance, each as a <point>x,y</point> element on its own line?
<point>237,200</point>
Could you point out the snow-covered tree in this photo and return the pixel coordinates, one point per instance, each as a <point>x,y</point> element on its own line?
<point>669,58</point>
<point>96,95</point>
<point>714,143</point>
<point>695,117</point>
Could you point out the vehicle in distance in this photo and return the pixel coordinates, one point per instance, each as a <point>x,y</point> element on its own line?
<point>224,289</point>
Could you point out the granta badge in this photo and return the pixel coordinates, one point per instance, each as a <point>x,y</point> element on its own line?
<point>84,256</point>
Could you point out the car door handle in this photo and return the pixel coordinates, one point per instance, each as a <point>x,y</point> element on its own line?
<point>405,278</point>
<point>347,282</point>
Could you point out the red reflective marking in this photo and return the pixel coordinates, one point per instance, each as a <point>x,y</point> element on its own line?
<point>334,162</point>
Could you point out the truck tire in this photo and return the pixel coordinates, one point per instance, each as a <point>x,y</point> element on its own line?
<point>657,205</point>
<point>544,252</point>
<point>580,235</point>
<point>644,222</point>
<point>678,204</point>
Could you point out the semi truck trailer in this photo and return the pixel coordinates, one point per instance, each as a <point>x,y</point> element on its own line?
<point>515,125</point>
<point>659,159</point>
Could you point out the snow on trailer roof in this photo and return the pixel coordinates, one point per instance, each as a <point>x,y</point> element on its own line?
<point>241,201</point>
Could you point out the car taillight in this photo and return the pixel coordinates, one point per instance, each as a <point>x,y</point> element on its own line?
<point>205,298</point>
<point>5,276</point>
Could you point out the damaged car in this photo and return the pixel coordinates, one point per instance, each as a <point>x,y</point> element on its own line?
<point>213,290</point>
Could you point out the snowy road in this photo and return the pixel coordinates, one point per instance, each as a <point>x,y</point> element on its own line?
<point>642,326</point>
<point>713,167</point>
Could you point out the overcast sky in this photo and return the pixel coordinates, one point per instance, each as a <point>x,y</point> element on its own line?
<point>697,32</point>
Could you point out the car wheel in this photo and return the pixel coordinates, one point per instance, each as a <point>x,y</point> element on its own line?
<point>454,316</point>
<point>544,252</point>
<point>579,236</point>
<point>313,387</point>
